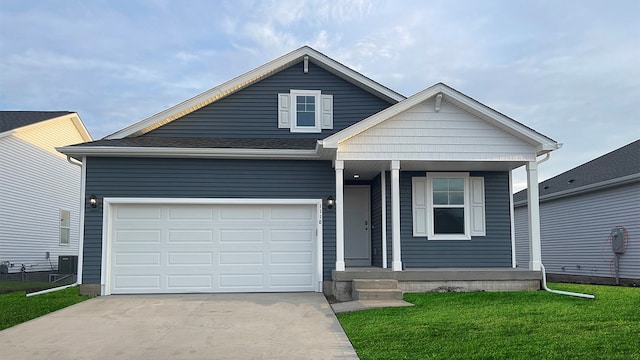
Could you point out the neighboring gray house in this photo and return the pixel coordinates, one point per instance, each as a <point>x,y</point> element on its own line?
<point>578,211</point>
<point>39,189</point>
<point>302,175</point>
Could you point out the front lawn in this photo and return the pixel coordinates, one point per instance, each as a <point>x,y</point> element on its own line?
<point>504,325</point>
<point>16,308</point>
<point>27,286</point>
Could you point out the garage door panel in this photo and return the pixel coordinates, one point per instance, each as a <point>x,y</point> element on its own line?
<point>292,213</point>
<point>241,258</point>
<point>241,213</point>
<point>291,258</point>
<point>213,248</point>
<point>297,280</point>
<point>144,282</point>
<point>123,258</point>
<point>190,281</point>
<point>292,235</point>
<point>241,281</point>
<point>233,236</point>
<point>138,212</point>
<point>190,258</point>
<point>124,235</point>
<point>190,236</point>
<point>190,213</point>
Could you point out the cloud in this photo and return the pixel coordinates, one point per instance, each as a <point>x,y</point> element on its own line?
<point>567,69</point>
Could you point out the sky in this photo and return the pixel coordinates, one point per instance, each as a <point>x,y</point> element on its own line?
<point>569,69</point>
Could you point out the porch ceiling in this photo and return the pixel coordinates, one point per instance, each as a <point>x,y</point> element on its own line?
<point>367,169</point>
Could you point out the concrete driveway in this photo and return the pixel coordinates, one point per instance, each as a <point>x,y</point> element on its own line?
<point>194,326</point>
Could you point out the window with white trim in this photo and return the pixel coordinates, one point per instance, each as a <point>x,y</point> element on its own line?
<point>307,111</point>
<point>448,206</point>
<point>65,226</point>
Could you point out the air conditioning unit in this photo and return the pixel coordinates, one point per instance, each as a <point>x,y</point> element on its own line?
<point>67,264</point>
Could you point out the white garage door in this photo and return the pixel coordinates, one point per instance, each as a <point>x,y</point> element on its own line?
<point>212,248</point>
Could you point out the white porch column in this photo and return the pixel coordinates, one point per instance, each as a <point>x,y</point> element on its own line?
<point>396,264</point>
<point>533,208</point>
<point>339,165</point>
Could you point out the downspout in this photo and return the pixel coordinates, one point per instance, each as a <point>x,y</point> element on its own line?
<point>52,289</point>
<point>71,161</point>
<point>544,272</point>
<point>568,293</point>
<point>548,155</point>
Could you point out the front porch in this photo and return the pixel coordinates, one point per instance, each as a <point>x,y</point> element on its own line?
<point>435,279</point>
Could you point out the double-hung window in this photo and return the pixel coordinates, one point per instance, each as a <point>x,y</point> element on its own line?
<point>307,111</point>
<point>448,206</point>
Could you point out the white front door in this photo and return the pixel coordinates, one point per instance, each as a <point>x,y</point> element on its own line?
<point>357,226</point>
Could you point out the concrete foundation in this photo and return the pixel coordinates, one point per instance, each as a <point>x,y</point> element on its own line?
<point>89,289</point>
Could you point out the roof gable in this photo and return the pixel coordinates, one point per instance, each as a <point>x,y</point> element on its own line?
<point>438,92</point>
<point>424,133</point>
<point>251,77</point>
<point>252,112</point>
<point>12,120</point>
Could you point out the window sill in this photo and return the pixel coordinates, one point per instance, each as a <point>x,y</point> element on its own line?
<point>457,237</point>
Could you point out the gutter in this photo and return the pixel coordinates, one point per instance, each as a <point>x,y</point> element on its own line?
<point>189,152</point>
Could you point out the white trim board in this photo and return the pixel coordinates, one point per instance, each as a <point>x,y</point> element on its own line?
<point>105,272</point>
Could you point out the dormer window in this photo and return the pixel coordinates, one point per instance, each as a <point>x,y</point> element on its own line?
<point>307,111</point>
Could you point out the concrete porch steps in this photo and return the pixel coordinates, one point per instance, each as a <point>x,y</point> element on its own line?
<point>375,289</point>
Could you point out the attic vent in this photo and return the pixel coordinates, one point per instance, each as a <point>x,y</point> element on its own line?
<point>571,181</point>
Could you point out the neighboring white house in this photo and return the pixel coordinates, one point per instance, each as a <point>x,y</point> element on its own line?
<point>40,195</point>
<point>589,216</point>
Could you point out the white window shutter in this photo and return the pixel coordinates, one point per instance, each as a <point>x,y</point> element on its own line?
<point>419,204</point>
<point>326,112</point>
<point>284,111</point>
<point>476,206</point>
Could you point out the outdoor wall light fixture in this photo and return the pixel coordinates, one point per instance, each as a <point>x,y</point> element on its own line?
<point>93,201</point>
<point>330,202</point>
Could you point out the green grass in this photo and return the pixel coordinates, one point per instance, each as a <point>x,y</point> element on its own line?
<point>504,325</point>
<point>26,286</point>
<point>16,308</point>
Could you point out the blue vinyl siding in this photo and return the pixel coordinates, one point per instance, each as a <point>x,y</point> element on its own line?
<point>204,178</point>
<point>376,222</point>
<point>492,250</point>
<point>252,112</point>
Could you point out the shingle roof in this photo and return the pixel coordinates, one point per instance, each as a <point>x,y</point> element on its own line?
<point>216,143</point>
<point>10,120</point>
<point>616,164</point>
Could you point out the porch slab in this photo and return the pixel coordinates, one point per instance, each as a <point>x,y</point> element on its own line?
<point>439,280</point>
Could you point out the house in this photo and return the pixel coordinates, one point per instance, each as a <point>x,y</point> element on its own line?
<point>303,175</point>
<point>39,189</point>
<point>590,220</point>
